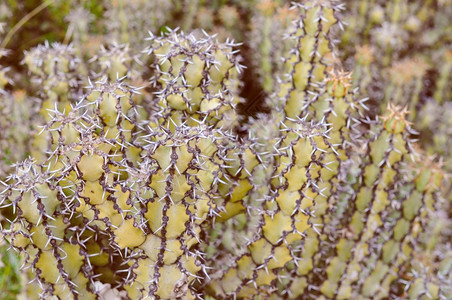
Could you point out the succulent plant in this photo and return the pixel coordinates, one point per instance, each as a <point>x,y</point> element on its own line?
<point>269,24</point>
<point>196,79</point>
<point>167,191</point>
<point>58,72</point>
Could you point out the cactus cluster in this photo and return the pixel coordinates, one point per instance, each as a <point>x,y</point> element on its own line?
<point>139,177</point>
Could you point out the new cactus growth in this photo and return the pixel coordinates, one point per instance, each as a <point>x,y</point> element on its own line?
<point>164,191</point>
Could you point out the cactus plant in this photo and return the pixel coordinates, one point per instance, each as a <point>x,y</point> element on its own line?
<point>166,191</point>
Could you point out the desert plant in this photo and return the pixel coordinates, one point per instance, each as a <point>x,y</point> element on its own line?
<point>165,191</point>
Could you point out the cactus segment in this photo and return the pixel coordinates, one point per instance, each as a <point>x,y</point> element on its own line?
<point>197,78</point>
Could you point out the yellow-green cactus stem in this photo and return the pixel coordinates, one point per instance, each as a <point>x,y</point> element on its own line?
<point>406,82</point>
<point>205,18</point>
<point>236,224</point>
<point>237,183</point>
<point>340,110</point>
<point>53,252</point>
<point>185,169</point>
<point>270,21</point>
<point>284,216</point>
<point>306,66</point>
<point>229,17</point>
<point>79,20</point>
<point>190,9</point>
<point>339,106</point>
<point>366,15</point>
<point>166,195</point>
<point>416,207</point>
<point>442,91</point>
<point>17,119</point>
<point>362,73</point>
<point>84,166</point>
<point>114,61</point>
<point>58,71</point>
<point>387,150</point>
<point>198,80</point>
